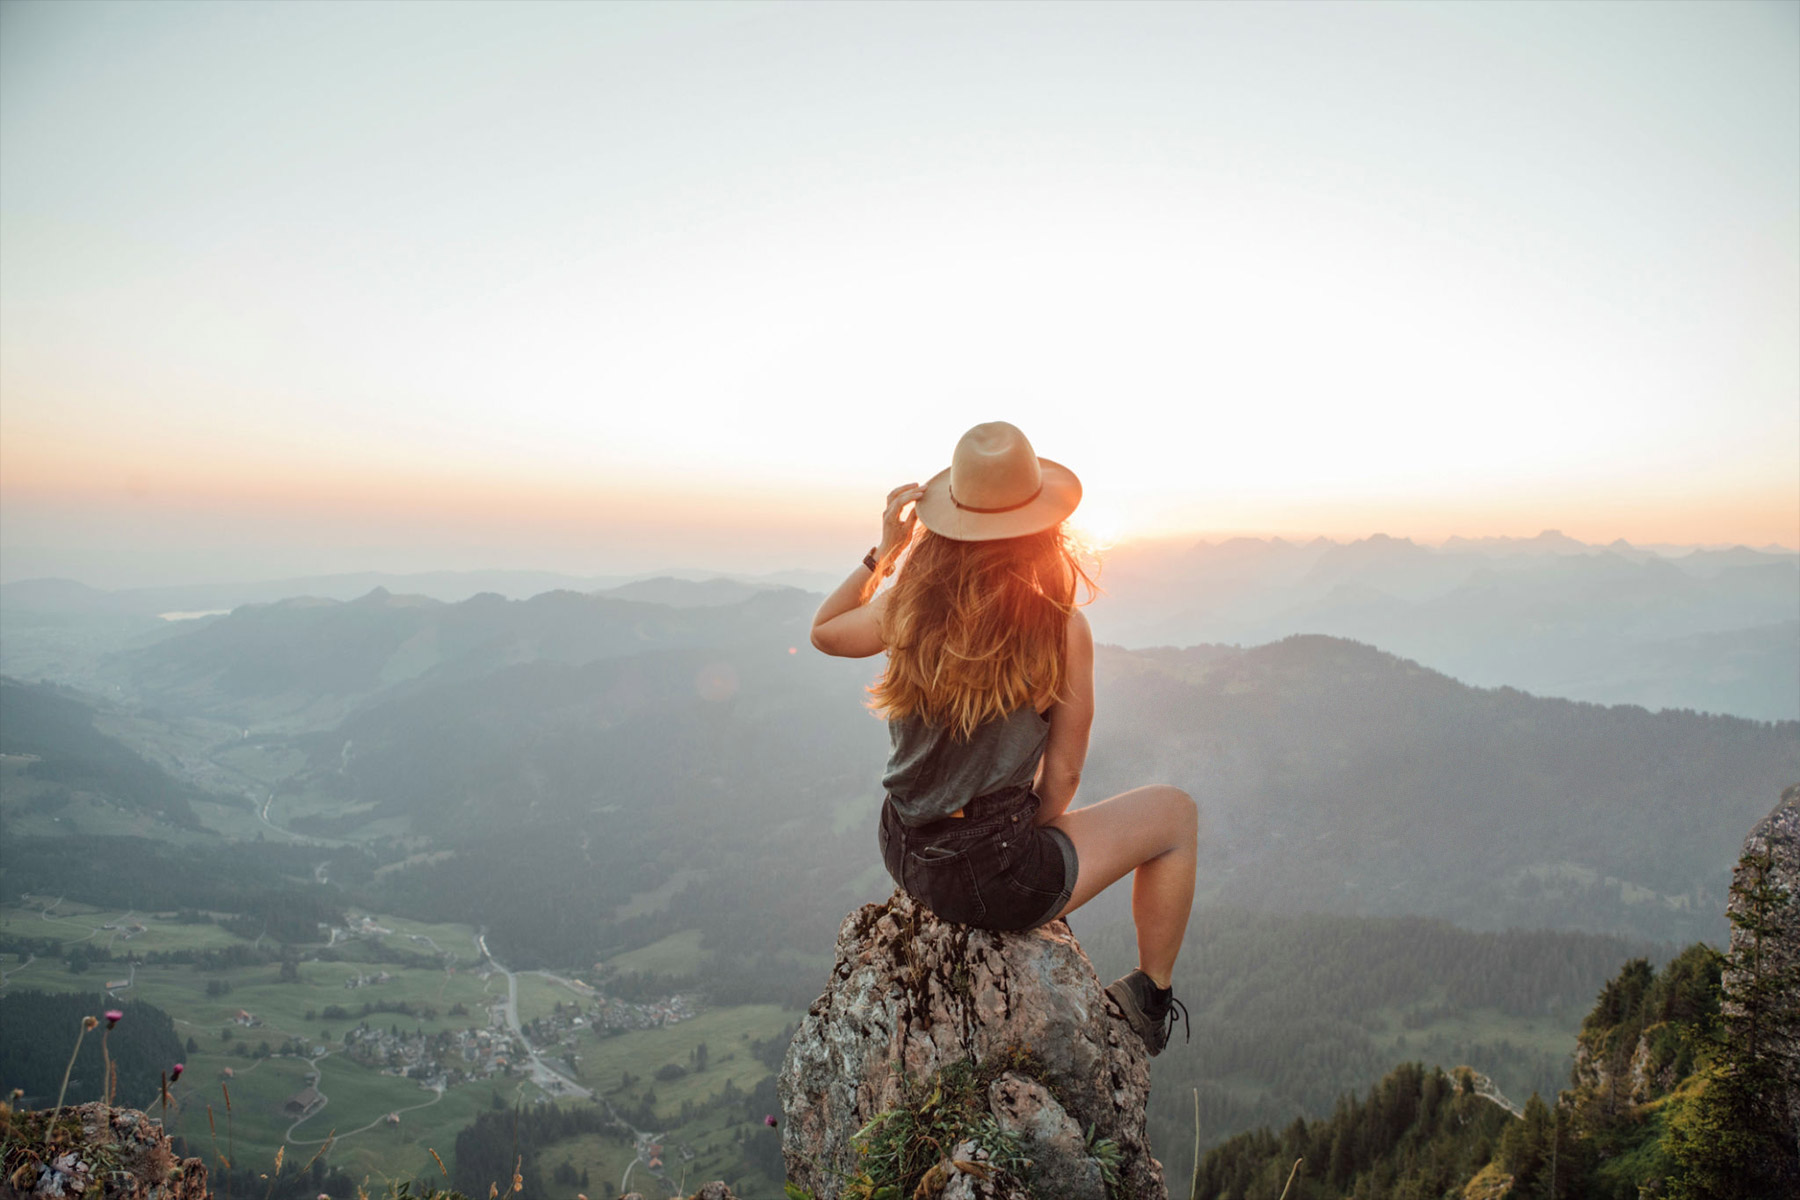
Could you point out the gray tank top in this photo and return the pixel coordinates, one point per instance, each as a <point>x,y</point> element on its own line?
<point>930,774</point>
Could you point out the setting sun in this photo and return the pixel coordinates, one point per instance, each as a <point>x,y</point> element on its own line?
<point>1100,525</point>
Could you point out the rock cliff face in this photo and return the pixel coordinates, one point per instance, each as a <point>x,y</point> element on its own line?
<point>1772,851</point>
<point>100,1153</point>
<point>1061,1080</point>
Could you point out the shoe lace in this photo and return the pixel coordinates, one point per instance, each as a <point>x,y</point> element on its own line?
<point>1169,1021</point>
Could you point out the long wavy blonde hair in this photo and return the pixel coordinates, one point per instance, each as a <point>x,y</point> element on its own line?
<point>977,629</point>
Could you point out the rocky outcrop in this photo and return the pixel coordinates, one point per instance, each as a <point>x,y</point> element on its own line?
<point>1638,1080</point>
<point>99,1153</point>
<point>1062,1081</point>
<point>1765,897</point>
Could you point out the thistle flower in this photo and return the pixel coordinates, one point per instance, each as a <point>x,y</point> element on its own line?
<point>175,1071</point>
<point>113,1017</point>
<point>90,1023</point>
<point>769,1120</point>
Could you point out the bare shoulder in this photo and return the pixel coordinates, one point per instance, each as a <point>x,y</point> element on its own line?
<point>1080,633</point>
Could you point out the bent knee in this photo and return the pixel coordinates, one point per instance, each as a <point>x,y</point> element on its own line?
<point>1183,814</point>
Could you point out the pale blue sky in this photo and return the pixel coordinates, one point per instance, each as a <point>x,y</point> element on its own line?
<point>297,286</point>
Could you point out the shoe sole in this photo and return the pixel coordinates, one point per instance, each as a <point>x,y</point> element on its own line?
<point>1137,1018</point>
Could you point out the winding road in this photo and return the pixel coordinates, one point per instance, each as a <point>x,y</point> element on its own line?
<point>556,1083</point>
<point>542,1074</point>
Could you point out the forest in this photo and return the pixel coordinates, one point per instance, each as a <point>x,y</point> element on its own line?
<point>1676,1091</point>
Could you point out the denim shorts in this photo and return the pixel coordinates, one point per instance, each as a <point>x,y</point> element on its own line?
<point>992,868</point>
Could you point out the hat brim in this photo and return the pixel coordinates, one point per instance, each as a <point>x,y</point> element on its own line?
<point>1060,495</point>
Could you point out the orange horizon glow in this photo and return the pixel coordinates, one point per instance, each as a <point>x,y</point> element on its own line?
<point>554,506</point>
<point>53,491</point>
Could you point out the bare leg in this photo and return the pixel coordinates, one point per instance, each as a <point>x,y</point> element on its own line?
<point>1154,832</point>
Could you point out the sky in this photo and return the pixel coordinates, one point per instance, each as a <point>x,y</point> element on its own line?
<point>300,288</point>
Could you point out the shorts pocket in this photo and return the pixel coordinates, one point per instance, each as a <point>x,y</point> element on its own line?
<point>944,878</point>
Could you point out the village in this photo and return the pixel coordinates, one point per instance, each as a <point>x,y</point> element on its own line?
<point>448,1058</point>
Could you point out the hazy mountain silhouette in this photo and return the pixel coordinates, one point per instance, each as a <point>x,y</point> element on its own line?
<point>1714,630</point>
<point>299,659</point>
<point>68,597</point>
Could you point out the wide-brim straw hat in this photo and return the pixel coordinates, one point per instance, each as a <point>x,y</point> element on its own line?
<point>997,487</point>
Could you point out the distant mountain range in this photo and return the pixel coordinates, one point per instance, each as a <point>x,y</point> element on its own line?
<point>678,587</point>
<point>1714,630</point>
<point>1711,630</point>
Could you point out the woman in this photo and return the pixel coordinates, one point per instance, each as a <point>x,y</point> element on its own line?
<point>989,695</point>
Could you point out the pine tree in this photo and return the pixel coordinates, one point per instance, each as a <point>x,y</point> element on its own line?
<point>1730,1141</point>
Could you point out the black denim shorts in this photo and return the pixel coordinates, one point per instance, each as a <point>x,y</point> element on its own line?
<point>993,868</point>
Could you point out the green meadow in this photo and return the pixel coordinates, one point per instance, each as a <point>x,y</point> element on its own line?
<point>238,1073</point>
<point>677,954</point>
<point>727,1033</point>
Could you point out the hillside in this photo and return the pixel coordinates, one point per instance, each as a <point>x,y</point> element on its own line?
<point>1341,778</point>
<point>1684,1085</point>
<point>306,662</point>
<point>53,759</point>
<point>580,736</point>
<point>1336,777</point>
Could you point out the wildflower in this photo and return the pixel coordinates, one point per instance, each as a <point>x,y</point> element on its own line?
<point>175,1071</point>
<point>90,1023</point>
<point>769,1120</point>
<point>113,1017</point>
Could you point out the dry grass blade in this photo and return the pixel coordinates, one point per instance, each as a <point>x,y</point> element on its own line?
<point>1194,1186</point>
<point>323,1147</point>
<point>87,1023</point>
<point>1290,1179</point>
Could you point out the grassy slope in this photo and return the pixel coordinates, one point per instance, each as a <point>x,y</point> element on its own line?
<point>359,1097</point>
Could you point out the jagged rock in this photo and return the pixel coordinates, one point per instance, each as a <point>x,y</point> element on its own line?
<point>1777,836</point>
<point>910,995</point>
<point>1058,1151</point>
<point>108,1154</point>
<point>967,1176</point>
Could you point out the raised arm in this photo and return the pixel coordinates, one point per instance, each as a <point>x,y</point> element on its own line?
<point>847,625</point>
<point>1070,720</point>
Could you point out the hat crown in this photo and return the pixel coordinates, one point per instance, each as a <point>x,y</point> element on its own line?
<point>994,468</point>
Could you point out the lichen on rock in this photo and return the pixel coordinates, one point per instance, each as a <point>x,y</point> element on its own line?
<point>98,1152</point>
<point>911,996</point>
<point>1767,877</point>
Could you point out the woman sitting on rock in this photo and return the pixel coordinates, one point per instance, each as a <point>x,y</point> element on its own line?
<point>989,695</point>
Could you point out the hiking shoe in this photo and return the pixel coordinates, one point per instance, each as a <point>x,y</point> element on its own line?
<point>1148,1009</point>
